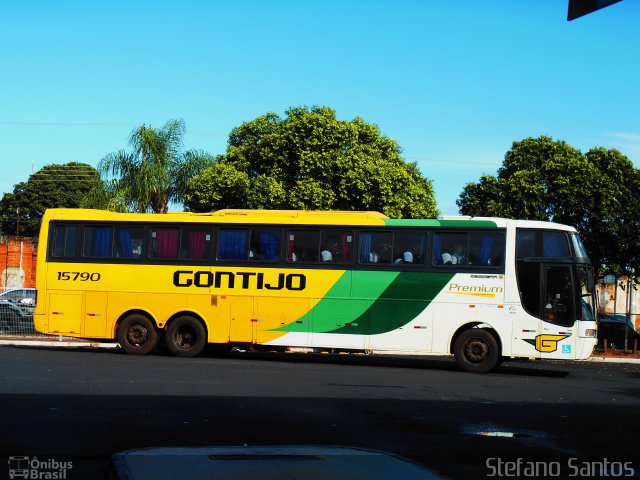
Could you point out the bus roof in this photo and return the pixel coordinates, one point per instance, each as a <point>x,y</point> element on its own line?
<point>301,217</point>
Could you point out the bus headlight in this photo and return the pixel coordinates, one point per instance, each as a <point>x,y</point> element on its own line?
<point>590,332</point>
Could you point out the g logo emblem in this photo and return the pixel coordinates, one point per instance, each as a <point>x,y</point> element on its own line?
<point>548,343</point>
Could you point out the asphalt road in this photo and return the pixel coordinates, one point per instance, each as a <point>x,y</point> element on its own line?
<point>83,406</point>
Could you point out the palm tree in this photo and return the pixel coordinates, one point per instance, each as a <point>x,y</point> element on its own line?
<point>153,174</point>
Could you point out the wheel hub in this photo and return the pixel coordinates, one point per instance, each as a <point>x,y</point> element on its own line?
<point>137,334</point>
<point>477,350</point>
<point>186,337</point>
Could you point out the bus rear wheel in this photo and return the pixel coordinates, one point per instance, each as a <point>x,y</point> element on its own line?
<point>476,350</point>
<point>185,337</point>
<point>137,335</point>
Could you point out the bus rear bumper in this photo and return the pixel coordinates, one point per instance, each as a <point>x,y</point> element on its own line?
<point>40,323</point>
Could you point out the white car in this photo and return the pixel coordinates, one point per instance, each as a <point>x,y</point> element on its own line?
<point>22,296</point>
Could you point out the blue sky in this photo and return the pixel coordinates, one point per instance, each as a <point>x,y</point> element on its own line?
<point>453,82</point>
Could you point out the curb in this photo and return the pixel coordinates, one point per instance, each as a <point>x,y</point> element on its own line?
<point>614,360</point>
<point>57,344</point>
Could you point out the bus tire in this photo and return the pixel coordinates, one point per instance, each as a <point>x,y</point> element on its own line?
<point>476,350</point>
<point>185,337</point>
<point>137,334</point>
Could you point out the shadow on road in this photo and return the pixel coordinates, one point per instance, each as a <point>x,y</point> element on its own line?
<point>88,429</point>
<point>519,367</point>
<point>510,367</point>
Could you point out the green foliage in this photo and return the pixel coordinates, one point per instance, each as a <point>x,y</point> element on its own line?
<point>152,175</point>
<point>219,186</point>
<point>543,179</point>
<point>266,192</point>
<point>53,186</point>
<point>311,160</point>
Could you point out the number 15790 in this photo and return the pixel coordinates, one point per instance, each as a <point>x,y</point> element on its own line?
<point>79,276</point>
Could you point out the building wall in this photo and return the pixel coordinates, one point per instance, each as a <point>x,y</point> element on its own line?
<point>17,262</point>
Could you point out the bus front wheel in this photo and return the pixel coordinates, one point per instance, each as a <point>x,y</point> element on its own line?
<point>185,337</point>
<point>137,335</point>
<point>476,350</point>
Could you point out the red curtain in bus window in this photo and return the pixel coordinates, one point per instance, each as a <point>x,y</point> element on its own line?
<point>346,248</point>
<point>290,256</point>
<point>168,242</point>
<point>196,244</point>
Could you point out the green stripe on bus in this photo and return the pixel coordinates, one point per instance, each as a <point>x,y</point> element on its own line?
<point>386,301</point>
<point>405,298</point>
<point>339,304</point>
<point>411,222</point>
<point>394,222</point>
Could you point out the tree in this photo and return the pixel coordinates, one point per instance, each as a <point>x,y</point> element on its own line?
<point>311,160</point>
<point>53,186</point>
<point>152,175</point>
<point>543,179</point>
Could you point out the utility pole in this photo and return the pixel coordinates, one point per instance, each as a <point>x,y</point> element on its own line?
<point>18,222</point>
<point>630,285</point>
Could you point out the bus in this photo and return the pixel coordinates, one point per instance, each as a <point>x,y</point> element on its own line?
<point>482,289</point>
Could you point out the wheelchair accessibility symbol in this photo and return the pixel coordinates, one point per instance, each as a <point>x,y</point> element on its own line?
<point>566,348</point>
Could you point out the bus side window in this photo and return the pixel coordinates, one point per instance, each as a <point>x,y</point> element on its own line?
<point>233,245</point>
<point>128,242</point>
<point>97,242</point>
<point>450,249</point>
<point>486,249</point>
<point>408,248</point>
<point>65,239</point>
<point>555,244</point>
<point>541,243</point>
<point>196,243</point>
<point>264,246</point>
<point>525,243</point>
<point>303,246</point>
<point>165,242</point>
<point>336,246</point>
<point>376,247</point>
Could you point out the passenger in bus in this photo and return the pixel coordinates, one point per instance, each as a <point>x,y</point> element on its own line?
<point>459,254</point>
<point>407,257</point>
<point>455,258</point>
<point>326,256</point>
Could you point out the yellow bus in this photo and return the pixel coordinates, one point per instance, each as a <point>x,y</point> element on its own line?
<point>481,289</point>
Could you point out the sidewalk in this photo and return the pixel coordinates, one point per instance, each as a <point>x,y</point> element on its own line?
<point>615,356</point>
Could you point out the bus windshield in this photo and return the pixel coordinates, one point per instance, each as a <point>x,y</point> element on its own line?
<point>578,247</point>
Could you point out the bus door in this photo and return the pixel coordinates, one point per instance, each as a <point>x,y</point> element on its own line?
<point>557,336</point>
